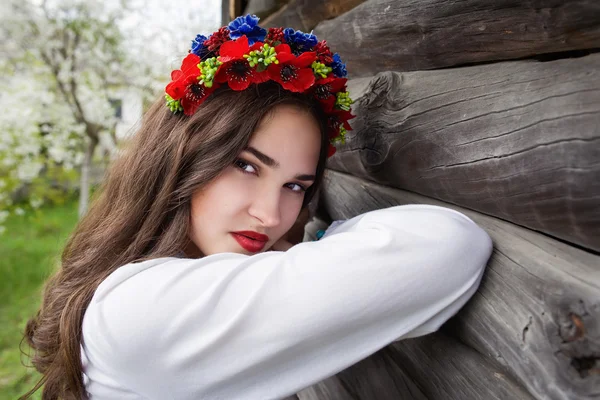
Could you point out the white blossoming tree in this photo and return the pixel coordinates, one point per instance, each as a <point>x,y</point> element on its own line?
<point>63,63</point>
<point>60,67</point>
<point>39,145</point>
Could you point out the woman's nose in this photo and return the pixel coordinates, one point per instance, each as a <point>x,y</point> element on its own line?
<point>266,206</point>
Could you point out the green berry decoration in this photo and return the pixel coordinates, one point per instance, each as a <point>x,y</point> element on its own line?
<point>341,138</point>
<point>262,58</point>
<point>174,105</point>
<point>343,101</point>
<point>208,69</point>
<point>320,69</point>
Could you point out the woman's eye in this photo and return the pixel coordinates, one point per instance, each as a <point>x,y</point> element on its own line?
<point>296,187</point>
<point>245,167</point>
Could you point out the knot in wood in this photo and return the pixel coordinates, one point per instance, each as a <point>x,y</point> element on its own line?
<point>573,331</point>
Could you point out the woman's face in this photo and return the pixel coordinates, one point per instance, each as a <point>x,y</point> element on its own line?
<point>255,201</point>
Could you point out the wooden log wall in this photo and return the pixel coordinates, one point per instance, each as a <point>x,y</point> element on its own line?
<point>304,15</point>
<point>382,35</point>
<point>535,317</point>
<point>517,140</point>
<point>263,8</point>
<point>490,107</point>
<point>432,367</point>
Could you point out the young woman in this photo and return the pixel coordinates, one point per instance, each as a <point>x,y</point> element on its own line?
<point>180,284</point>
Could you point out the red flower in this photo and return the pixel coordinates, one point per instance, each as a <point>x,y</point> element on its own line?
<point>234,49</point>
<point>325,90</point>
<point>337,119</point>
<point>330,150</point>
<point>194,95</point>
<point>181,78</point>
<point>293,73</point>
<point>324,55</point>
<point>343,116</point>
<point>235,69</point>
<point>214,42</point>
<point>186,87</point>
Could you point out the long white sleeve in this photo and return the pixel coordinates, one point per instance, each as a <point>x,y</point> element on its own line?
<point>231,326</point>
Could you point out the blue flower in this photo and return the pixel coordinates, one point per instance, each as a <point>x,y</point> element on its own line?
<point>247,25</point>
<point>299,42</point>
<point>198,47</point>
<point>338,67</point>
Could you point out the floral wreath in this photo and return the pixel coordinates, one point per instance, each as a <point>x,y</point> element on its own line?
<point>243,53</point>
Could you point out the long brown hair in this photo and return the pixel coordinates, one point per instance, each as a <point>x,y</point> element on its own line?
<point>143,212</point>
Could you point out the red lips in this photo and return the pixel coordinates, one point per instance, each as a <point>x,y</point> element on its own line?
<point>250,240</point>
<point>254,235</point>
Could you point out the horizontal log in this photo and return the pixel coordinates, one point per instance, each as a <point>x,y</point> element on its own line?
<point>537,311</point>
<point>430,367</point>
<point>263,8</point>
<point>376,377</point>
<point>517,140</point>
<point>328,389</point>
<point>444,368</point>
<point>304,15</point>
<point>383,35</point>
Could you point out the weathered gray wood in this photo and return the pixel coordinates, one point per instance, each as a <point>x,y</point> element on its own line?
<point>382,35</point>
<point>444,368</point>
<point>328,389</point>
<point>517,140</point>
<point>263,8</point>
<point>304,15</point>
<point>537,311</point>
<point>378,377</point>
<point>430,367</point>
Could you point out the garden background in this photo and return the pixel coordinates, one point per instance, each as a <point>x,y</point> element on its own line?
<point>75,78</point>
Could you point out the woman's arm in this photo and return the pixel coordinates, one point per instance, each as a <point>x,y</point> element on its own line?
<point>231,326</point>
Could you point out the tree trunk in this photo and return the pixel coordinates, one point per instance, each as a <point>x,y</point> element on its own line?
<point>84,186</point>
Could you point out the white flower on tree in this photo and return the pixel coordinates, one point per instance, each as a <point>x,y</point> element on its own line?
<point>57,76</point>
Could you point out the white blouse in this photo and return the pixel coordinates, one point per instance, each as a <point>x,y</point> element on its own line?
<point>231,326</point>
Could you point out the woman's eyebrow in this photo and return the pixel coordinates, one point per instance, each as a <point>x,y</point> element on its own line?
<point>265,159</point>
<point>305,177</point>
<point>268,161</point>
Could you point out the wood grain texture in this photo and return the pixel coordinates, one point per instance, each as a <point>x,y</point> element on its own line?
<point>382,35</point>
<point>235,9</point>
<point>376,377</point>
<point>430,367</point>
<point>304,15</point>
<point>537,311</point>
<point>517,140</point>
<point>444,368</point>
<point>329,389</point>
<point>262,8</point>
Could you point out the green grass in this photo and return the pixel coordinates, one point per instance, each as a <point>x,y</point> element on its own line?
<point>29,251</point>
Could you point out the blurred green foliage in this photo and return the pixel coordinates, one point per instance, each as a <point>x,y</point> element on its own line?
<point>30,252</point>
